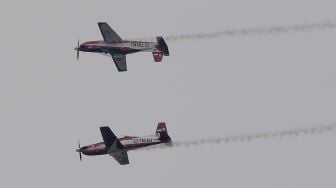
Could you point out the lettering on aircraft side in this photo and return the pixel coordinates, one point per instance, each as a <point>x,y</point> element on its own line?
<point>139,44</point>
<point>142,140</point>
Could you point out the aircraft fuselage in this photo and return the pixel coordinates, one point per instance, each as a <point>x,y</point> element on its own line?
<point>124,47</point>
<point>128,142</point>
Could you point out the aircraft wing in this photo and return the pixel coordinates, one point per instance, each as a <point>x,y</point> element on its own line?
<point>121,157</point>
<point>112,143</point>
<point>108,34</point>
<point>113,146</point>
<point>120,62</point>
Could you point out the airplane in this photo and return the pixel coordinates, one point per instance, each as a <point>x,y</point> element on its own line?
<point>118,48</point>
<point>118,147</point>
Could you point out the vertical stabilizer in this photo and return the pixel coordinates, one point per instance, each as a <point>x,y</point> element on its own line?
<point>161,131</point>
<point>162,46</point>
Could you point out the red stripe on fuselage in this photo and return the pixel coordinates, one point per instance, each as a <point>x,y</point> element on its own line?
<point>100,149</point>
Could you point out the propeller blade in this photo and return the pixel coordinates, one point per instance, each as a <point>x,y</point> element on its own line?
<point>77,48</point>
<point>79,151</point>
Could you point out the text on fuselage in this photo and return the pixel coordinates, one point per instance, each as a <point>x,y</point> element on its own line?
<point>142,140</point>
<point>139,44</point>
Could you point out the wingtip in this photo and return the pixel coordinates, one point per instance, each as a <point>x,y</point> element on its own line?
<point>103,127</point>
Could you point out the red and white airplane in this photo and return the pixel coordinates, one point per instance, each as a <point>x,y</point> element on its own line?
<point>118,147</point>
<point>116,47</point>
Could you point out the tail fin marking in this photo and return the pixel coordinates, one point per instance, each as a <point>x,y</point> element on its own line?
<point>162,46</point>
<point>161,131</point>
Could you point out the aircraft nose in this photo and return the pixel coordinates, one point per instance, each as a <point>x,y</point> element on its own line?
<point>78,150</point>
<point>76,48</point>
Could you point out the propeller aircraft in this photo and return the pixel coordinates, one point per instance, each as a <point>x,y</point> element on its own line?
<point>118,48</point>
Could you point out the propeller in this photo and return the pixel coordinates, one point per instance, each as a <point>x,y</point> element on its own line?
<point>77,49</point>
<point>79,151</point>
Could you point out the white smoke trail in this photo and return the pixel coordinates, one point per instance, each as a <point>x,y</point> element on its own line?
<point>252,31</point>
<point>255,31</point>
<point>248,137</point>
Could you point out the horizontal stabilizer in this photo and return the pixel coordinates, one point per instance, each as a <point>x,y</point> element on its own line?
<point>157,56</point>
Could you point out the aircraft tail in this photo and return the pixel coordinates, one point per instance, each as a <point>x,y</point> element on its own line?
<point>162,46</point>
<point>161,131</point>
<point>162,49</point>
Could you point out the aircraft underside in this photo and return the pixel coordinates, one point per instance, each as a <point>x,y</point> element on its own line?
<point>116,47</point>
<point>100,148</point>
<point>118,147</point>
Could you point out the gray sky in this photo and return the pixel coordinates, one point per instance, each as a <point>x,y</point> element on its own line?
<point>206,88</point>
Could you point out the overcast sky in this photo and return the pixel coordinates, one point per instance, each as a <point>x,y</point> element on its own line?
<point>206,88</point>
